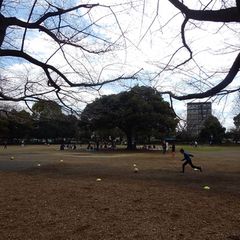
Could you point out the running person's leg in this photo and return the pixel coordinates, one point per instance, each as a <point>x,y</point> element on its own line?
<point>193,166</point>
<point>183,166</point>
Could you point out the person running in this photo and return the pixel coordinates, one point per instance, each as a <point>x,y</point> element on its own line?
<point>188,160</point>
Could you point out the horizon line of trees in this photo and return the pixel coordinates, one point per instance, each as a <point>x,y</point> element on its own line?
<point>213,132</point>
<point>46,122</point>
<point>138,116</point>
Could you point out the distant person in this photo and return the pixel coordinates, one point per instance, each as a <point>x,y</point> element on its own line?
<point>5,144</point>
<point>167,146</point>
<point>89,146</point>
<point>195,144</point>
<point>164,147</point>
<point>173,149</point>
<point>188,160</point>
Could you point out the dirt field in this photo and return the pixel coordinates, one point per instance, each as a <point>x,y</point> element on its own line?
<point>42,197</point>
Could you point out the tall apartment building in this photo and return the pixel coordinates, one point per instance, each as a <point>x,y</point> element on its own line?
<point>197,113</point>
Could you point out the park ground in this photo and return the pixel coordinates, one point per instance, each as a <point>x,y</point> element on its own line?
<point>78,195</point>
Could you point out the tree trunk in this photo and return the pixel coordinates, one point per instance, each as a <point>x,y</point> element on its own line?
<point>1,3</point>
<point>3,27</point>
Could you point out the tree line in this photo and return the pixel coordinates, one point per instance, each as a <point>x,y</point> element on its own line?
<point>45,123</point>
<point>137,116</point>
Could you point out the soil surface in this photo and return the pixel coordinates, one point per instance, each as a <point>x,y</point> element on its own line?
<point>66,195</point>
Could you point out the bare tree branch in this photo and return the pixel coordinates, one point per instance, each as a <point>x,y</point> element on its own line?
<point>47,67</point>
<point>76,42</point>
<point>222,15</point>
<point>62,11</point>
<point>25,31</point>
<point>216,89</point>
<point>1,3</point>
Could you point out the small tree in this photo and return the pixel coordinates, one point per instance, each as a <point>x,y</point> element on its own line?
<point>212,131</point>
<point>47,115</point>
<point>236,121</point>
<point>235,132</point>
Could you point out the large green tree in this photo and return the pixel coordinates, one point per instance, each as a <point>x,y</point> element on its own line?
<point>140,111</point>
<point>212,131</point>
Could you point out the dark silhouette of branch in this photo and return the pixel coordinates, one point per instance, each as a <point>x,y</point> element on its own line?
<point>216,89</point>
<point>25,31</point>
<point>47,67</point>
<point>63,11</point>
<point>3,28</point>
<point>25,97</point>
<point>72,29</point>
<point>12,21</point>
<point>222,15</point>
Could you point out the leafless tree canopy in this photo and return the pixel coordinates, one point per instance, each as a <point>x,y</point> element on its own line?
<point>79,42</point>
<point>71,55</point>
<point>226,14</point>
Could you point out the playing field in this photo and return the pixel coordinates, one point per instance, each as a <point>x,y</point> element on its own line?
<point>78,195</point>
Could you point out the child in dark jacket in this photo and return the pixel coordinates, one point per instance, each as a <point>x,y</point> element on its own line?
<point>188,160</point>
